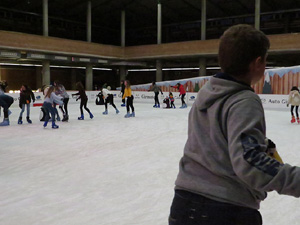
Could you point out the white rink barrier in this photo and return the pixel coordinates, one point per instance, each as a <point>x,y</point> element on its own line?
<point>269,101</point>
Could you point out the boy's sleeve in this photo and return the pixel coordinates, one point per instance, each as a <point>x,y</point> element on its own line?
<point>247,150</point>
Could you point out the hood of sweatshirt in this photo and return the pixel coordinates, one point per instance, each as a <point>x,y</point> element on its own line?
<point>219,86</point>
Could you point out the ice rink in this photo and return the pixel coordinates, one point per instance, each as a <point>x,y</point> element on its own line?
<point>111,170</point>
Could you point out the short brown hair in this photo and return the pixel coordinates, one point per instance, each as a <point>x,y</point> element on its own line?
<point>239,46</point>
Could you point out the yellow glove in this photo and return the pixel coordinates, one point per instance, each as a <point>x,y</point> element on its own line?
<point>272,152</point>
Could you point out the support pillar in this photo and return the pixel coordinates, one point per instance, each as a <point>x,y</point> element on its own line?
<point>122,69</point>
<point>257,14</point>
<point>202,67</point>
<point>45,18</point>
<point>38,76</point>
<point>159,25</point>
<point>202,61</point>
<point>158,70</point>
<point>159,22</point>
<point>122,73</point>
<point>0,73</point>
<point>89,77</point>
<point>89,21</point>
<point>203,20</point>
<point>123,30</point>
<point>46,73</point>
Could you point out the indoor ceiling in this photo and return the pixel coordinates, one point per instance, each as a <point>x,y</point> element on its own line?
<point>143,13</point>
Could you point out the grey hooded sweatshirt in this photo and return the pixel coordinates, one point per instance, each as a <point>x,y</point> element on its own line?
<point>225,154</point>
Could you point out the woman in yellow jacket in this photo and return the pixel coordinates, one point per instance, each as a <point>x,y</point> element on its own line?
<point>129,102</point>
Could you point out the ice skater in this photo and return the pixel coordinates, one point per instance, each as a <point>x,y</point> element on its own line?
<point>108,99</point>
<point>182,93</point>
<point>122,92</point>
<point>60,90</point>
<point>5,102</point>
<point>129,102</point>
<point>156,89</point>
<point>26,95</point>
<point>172,100</point>
<point>167,102</point>
<point>83,100</point>
<point>294,100</point>
<point>50,99</point>
<point>226,171</point>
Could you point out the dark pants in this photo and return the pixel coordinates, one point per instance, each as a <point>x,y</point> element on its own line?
<point>49,109</point>
<point>192,209</point>
<point>65,109</point>
<point>83,103</point>
<point>129,103</point>
<point>110,100</point>
<point>296,109</point>
<point>156,98</point>
<point>6,101</point>
<point>123,100</point>
<point>182,99</point>
<point>172,104</point>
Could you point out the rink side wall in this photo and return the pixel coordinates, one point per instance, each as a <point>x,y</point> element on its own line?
<point>270,101</point>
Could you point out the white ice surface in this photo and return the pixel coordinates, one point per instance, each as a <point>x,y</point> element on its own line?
<point>111,170</point>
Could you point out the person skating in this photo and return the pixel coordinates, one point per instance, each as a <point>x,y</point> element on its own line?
<point>172,100</point>
<point>26,95</point>
<point>129,102</point>
<point>182,93</point>
<point>60,90</point>
<point>5,102</point>
<point>156,89</point>
<point>108,99</point>
<point>122,92</point>
<point>83,100</point>
<point>294,101</point>
<point>49,100</point>
<point>226,169</point>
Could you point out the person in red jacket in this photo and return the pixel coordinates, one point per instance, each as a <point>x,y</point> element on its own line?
<point>182,93</point>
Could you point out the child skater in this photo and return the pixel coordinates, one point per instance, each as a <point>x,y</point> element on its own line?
<point>83,100</point>
<point>182,93</point>
<point>172,100</point>
<point>167,102</point>
<point>294,100</point>
<point>226,171</point>
<point>5,102</point>
<point>50,99</point>
<point>26,95</point>
<point>60,90</point>
<point>129,102</point>
<point>156,89</point>
<point>109,99</point>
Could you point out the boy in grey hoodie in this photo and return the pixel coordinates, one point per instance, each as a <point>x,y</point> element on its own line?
<point>226,170</point>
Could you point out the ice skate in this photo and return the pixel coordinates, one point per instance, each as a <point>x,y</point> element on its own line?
<point>127,115</point>
<point>105,112</point>
<point>28,120</point>
<point>5,123</point>
<point>123,105</point>
<point>132,114</point>
<point>155,106</point>
<point>65,119</point>
<point>293,119</point>
<point>91,115</point>
<point>117,111</point>
<point>45,124</point>
<point>58,118</point>
<point>54,126</point>
<point>298,120</point>
<point>81,117</point>
<point>20,120</point>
